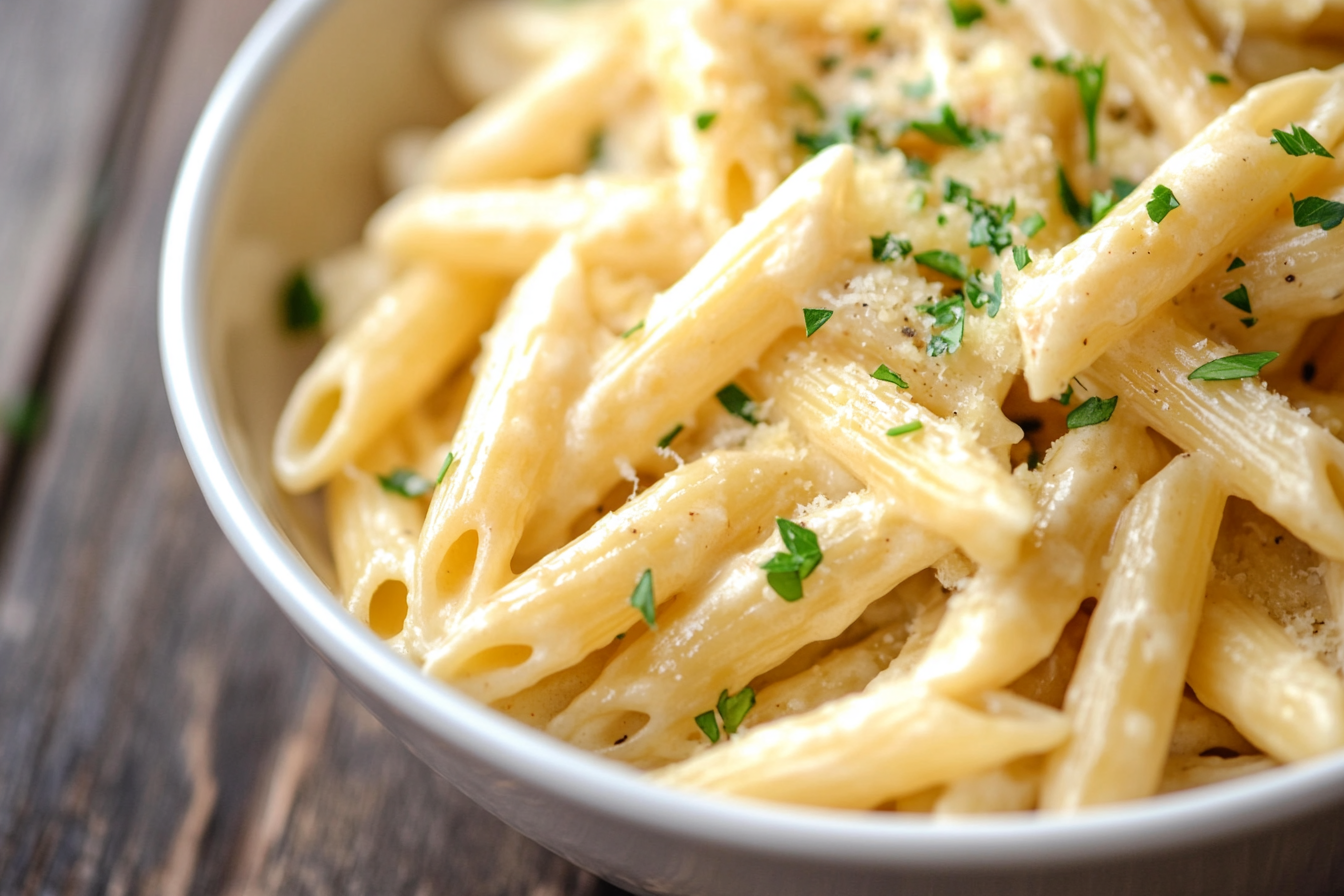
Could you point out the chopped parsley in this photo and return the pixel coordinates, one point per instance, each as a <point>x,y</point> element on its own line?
<point>597,144</point>
<point>918,90</point>
<point>1100,205</point>
<point>633,330</point>
<point>705,120</point>
<point>709,725</point>
<point>944,262</point>
<point>1091,80</point>
<point>918,200</point>
<point>301,306</point>
<point>983,295</point>
<point>1249,322</point>
<point>785,571</point>
<point>22,418</point>
<point>443,470</point>
<point>735,708</point>
<point>873,34</point>
<point>1091,412</point>
<point>965,13</point>
<point>642,598</point>
<point>1163,203</point>
<point>950,316</point>
<point>1021,256</point>
<point>803,94</point>
<point>848,131</point>
<point>947,130</point>
<point>1315,210</point>
<point>1233,367</point>
<point>888,248</point>
<point>1236,263</point>
<point>815,318</point>
<point>989,223</point>
<point>737,403</point>
<point>670,436</point>
<point>1239,299</point>
<point>1067,398</point>
<point>1299,143</point>
<point>407,483</point>
<point>1219,78</point>
<point>828,62</point>
<point>887,375</point>
<point>1033,225</point>
<point>905,428</point>
<point>917,168</point>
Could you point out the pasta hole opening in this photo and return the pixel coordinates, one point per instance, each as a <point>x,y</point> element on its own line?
<point>387,609</point>
<point>457,565</point>
<point>609,730</point>
<point>494,659</point>
<point>315,425</point>
<point>739,197</point>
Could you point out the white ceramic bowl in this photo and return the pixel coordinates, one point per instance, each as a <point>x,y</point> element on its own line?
<point>281,168</point>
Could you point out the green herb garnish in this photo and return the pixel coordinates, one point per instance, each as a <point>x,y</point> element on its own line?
<point>407,483</point>
<point>873,34</point>
<point>965,13</point>
<point>1033,225</point>
<point>1219,78</point>
<point>918,90</point>
<point>443,470</point>
<point>948,130</point>
<point>670,436</point>
<point>709,725</point>
<point>1163,203</point>
<point>1091,412</point>
<point>803,94</point>
<point>1249,322</point>
<point>1315,210</point>
<point>1239,299</point>
<point>642,598</point>
<point>983,295</point>
<point>597,144</point>
<point>944,262</point>
<point>815,318</point>
<point>737,403</point>
<point>888,248</point>
<point>735,708</point>
<point>887,375</point>
<point>301,306</point>
<point>633,330</point>
<point>1236,263</point>
<point>950,315</point>
<point>1067,397</point>
<point>1299,143</point>
<point>1091,78</point>
<point>22,418</point>
<point>705,120</point>
<point>905,428</point>
<point>785,571</point>
<point>1021,257</point>
<point>1233,367</point>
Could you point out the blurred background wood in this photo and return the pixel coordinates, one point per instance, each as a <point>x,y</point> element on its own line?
<point>162,728</point>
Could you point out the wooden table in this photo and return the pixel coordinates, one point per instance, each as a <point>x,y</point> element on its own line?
<point>162,728</point>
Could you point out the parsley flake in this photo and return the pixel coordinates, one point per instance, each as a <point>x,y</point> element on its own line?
<point>22,418</point>
<point>633,330</point>
<point>1299,143</point>
<point>1239,299</point>
<point>1021,256</point>
<point>709,725</point>
<point>705,120</point>
<point>735,708</point>
<point>1091,412</point>
<point>964,13</point>
<point>887,375</point>
<point>642,598</point>
<point>919,90</point>
<point>1033,225</point>
<point>443,470</point>
<point>950,315</point>
<point>873,34</point>
<point>828,62</point>
<point>948,130</point>
<point>982,295</point>
<point>905,428</point>
<point>803,94</point>
<point>407,483</point>
<point>670,436</point>
<point>784,572</point>
<point>1233,367</point>
<point>1315,210</point>
<point>301,306</point>
<point>989,223</point>
<point>1163,203</point>
<point>918,169</point>
<point>737,403</point>
<point>944,262</point>
<point>1091,78</point>
<point>1236,263</point>
<point>1249,322</point>
<point>1219,78</point>
<point>1067,397</point>
<point>888,248</point>
<point>597,144</point>
<point>815,318</point>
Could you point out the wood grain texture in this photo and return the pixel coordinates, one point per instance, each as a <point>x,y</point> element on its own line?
<point>162,728</point>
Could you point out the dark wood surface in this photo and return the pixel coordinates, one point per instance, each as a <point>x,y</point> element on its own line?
<point>162,728</point>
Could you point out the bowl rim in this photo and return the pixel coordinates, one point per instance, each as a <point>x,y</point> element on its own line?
<point>1161,824</point>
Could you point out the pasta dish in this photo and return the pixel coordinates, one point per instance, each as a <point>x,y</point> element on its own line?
<point>916,405</point>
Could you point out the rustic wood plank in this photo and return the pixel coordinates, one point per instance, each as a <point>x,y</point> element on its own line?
<point>165,730</point>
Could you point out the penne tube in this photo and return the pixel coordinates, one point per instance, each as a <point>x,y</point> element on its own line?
<point>542,126</point>
<point>937,475</point>
<point>578,599</point>
<point>622,223</point>
<point>724,633</point>
<point>1199,730</point>
<point>1006,621</point>
<point>536,360</point>
<point>1229,181</point>
<point>865,749</point>
<point>717,319</point>
<point>1265,450</point>
<point>1010,788</point>
<point>1126,689</point>
<point>535,706</point>
<point>386,362</point>
<point>1186,772</point>
<point>1246,668</point>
